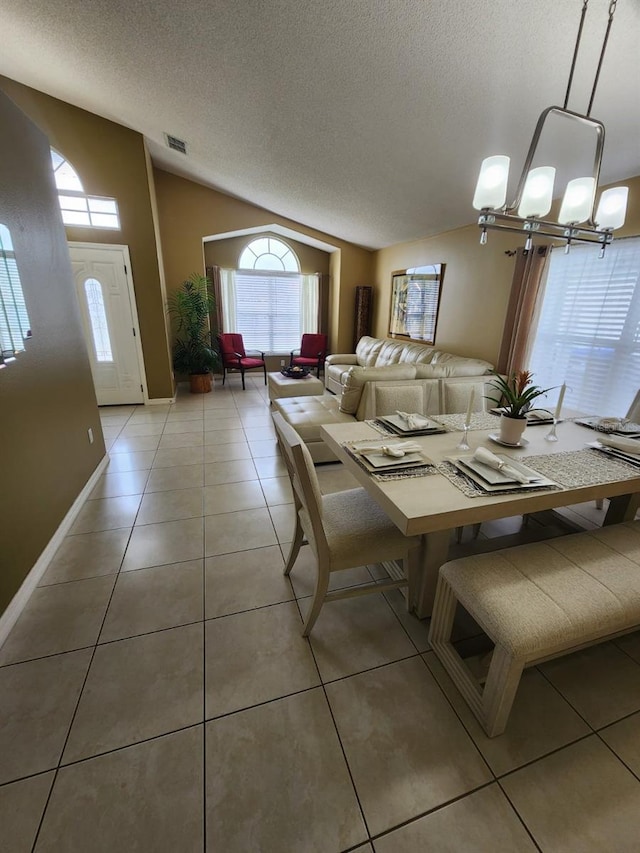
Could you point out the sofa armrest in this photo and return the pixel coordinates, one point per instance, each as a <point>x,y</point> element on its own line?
<point>340,358</point>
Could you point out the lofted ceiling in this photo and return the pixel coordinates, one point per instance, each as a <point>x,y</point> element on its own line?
<point>364,119</point>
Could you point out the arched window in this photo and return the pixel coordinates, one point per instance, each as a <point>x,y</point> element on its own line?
<point>267,299</point>
<point>14,320</point>
<point>267,253</point>
<point>77,207</point>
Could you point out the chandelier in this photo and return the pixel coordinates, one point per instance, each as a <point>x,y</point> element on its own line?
<point>534,194</point>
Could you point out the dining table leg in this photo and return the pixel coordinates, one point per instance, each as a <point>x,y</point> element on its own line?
<point>622,508</point>
<point>434,552</point>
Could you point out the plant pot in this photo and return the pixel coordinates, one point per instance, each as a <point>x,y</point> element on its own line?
<point>511,429</point>
<point>201,383</point>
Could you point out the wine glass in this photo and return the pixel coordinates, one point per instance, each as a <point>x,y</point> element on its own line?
<point>463,444</point>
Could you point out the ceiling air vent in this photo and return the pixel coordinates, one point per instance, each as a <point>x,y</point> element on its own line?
<point>175,143</point>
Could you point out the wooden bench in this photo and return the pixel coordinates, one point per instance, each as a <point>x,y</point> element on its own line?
<point>537,602</point>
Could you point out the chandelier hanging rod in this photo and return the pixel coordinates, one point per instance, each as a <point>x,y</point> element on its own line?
<point>612,9</point>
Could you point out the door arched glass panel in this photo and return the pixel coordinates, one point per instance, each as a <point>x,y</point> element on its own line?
<point>98,319</point>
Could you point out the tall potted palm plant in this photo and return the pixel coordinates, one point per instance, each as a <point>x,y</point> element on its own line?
<point>193,353</point>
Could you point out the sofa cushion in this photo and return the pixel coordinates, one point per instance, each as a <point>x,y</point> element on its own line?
<point>367,350</point>
<point>390,353</point>
<point>458,365</point>
<point>417,354</point>
<point>356,377</point>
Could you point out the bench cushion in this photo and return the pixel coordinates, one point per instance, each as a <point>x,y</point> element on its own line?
<point>307,414</point>
<point>539,598</point>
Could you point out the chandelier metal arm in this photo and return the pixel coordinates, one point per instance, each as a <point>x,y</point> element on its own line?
<point>577,117</point>
<point>495,221</point>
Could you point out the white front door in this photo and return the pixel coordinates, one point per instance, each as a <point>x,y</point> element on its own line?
<point>104,287</point>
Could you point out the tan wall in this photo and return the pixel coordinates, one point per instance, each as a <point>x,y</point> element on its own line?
<point>47,398</point>
<point>225,253</point>
<point>189,212</point>
<point>111,161</point>
<point>476,285</point>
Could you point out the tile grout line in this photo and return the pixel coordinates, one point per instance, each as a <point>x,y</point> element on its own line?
<point>79,699</point>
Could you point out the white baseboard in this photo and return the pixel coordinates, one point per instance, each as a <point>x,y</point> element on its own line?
<point>10,616</point>
<point>160,401</point>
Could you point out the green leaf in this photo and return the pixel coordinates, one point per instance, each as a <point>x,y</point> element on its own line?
<point>190,307</point>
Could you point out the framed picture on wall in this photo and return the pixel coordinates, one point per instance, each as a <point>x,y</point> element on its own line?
<point>415,300</point>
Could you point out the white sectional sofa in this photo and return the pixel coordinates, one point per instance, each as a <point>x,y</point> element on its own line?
<point>429,362</point>
<point>381,377</point>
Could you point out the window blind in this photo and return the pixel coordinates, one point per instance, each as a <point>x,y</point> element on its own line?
<point>268,310</point>
<point>14,320</point>
<point>588,330</point>
<point>422,307</point>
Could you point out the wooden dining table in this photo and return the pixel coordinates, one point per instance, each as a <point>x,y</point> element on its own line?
<point>432,506</point>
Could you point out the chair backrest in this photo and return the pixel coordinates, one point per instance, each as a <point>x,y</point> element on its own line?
<point>455,396</point>
<point>407,397</point>
<point>313,346</point>
<point>634,410</point>
<point>304,481</point>
<point>230,344</point>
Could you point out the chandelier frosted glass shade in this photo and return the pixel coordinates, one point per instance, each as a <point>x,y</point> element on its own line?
<point>491,189</point>
<point>577,203</point>
<point>537,195</point>
<point>612,208</point>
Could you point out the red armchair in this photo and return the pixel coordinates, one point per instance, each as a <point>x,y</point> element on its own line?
<point>312,353</point>
<point>234,357</point>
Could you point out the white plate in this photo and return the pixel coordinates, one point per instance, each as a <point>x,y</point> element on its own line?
<point>631,458</point>
<point>399,424</point>
<point>490,475</point>
<point>540,483</point>
<point>630,430</point>
<point>494,436</point>
<point>379,461</point>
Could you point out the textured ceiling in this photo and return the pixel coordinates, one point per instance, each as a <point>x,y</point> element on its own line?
<point>365,119</point>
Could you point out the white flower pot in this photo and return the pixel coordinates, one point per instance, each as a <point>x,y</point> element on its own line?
<point>511,429</point>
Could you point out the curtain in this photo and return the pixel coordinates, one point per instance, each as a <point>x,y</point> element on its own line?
<point>215,316</point>
<point>228,300</point>
<point>309,304</point>
<point>527,287</point>
<point>323,302</point>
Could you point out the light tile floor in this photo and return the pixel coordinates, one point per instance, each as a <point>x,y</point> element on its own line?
<point>156,694</point>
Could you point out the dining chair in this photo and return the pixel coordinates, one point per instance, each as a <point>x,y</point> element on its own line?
<point>312,352</point>
<point>235,357</point>
<point>344,530</point>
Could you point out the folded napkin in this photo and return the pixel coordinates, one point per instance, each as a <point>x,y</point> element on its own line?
<point>486,457</point>
<point>397,450</point>
<point>414,421</point>
<point>626,445</point>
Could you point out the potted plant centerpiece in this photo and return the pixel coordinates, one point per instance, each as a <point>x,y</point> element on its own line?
<point>193,353</point>
<point>517,393</point>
